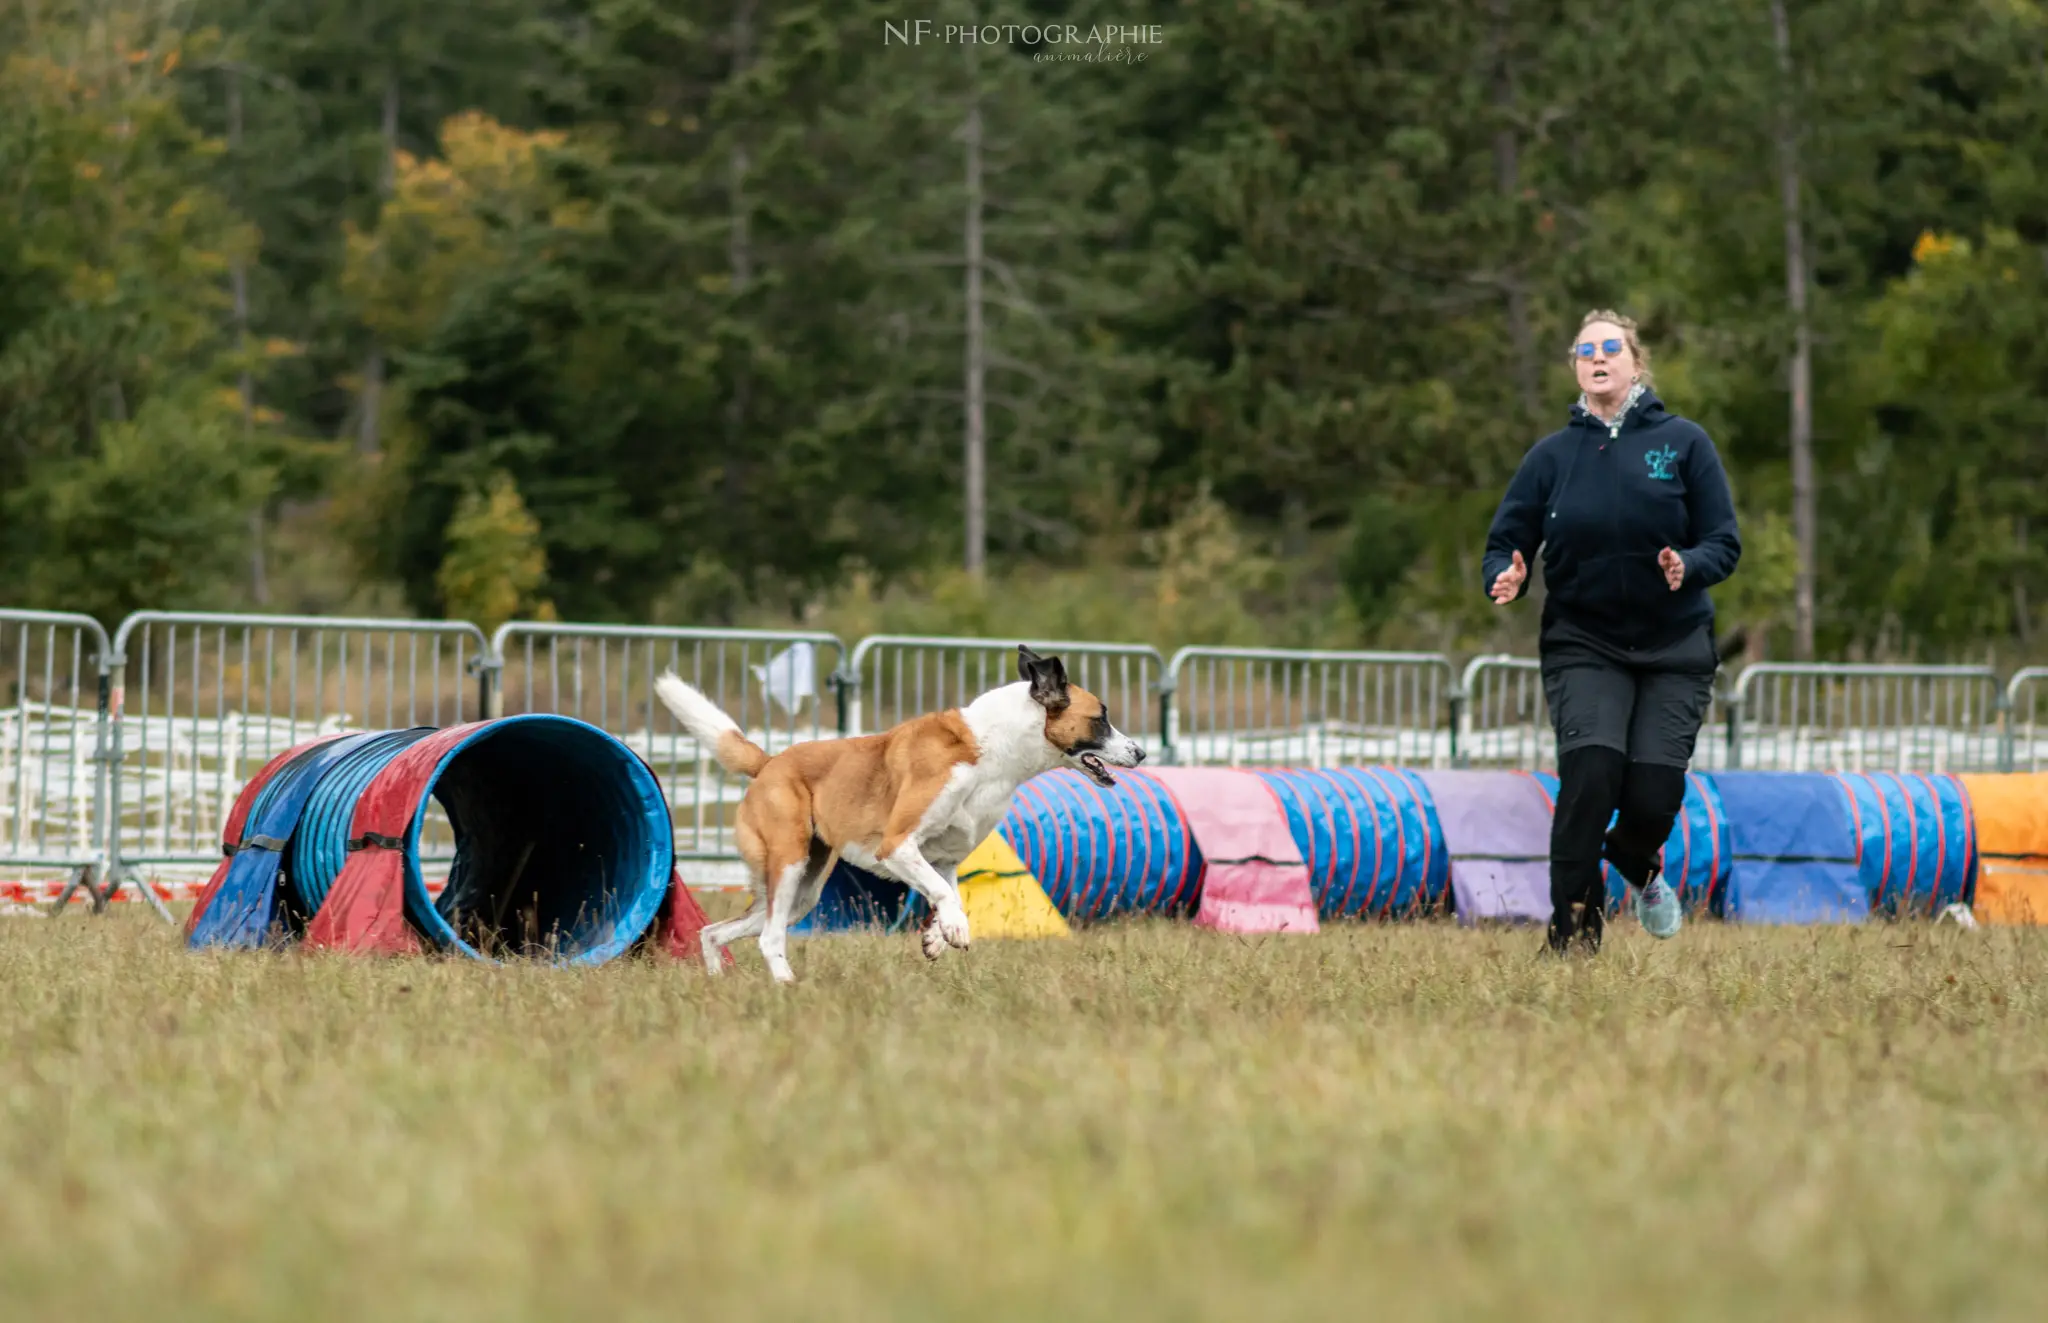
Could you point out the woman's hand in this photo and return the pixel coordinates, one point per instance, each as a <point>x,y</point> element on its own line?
<point>1673,566</point>
<point>1509,581</point>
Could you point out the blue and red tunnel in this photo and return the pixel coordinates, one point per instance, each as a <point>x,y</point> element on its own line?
<point>563,847</point>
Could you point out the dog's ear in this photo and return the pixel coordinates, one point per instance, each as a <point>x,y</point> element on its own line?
<point>1048,677</point>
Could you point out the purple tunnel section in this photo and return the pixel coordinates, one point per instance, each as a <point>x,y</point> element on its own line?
<point>1496,832</point>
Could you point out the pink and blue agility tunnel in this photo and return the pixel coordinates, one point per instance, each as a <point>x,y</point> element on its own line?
<point>1368,835</point>
<point>564,848</point>
<point>1759,847</point>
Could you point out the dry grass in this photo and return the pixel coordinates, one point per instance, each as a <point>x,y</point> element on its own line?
<point>1149,1122</point>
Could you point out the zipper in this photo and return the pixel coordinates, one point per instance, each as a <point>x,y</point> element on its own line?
<point>1557,494</point>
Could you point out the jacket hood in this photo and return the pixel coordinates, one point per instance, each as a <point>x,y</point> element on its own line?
<point>1642,408</point>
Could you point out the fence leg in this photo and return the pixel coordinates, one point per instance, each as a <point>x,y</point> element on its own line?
<point>1459,712</point>
<point>156,902</point>
<point>846,686</point>
<point>120,875</point>
<point>82,878</point>
<point>490,695</point>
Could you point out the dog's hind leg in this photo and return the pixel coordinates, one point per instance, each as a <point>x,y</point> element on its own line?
<point>787,884</point>
<point>823,857</point>
<point>715,937</point>
<point>792,854</point>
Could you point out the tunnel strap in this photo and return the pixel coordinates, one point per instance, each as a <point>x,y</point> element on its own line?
<point>370,838</point>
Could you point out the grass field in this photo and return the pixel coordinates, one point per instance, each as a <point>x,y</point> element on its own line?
<point>1408,1122</point>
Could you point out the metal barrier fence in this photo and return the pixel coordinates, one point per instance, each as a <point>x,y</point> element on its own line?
<point>1503,718</point>
<point>767,681</point>
<point>124,753</point>
<point>892,677</point>
<point>2026,734</point>
<point>53,745</point>
<point>1788,716</point>
<point>201,702</point>
<point>1265,706</point>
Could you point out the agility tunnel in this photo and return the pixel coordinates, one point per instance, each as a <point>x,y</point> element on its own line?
<point>563,847</point>
<point>1795,849</point>
<point>1496,832</point>
<point>1391,843</point>
<point>1357,843</point>
<point>1367,838</point>
<point>1371,838</point>
<point>1814,847</point>
<point>1092,852</point>
<point>1916,840</point>
<point>2009,816</point>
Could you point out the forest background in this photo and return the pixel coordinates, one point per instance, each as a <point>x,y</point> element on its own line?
<point>1226,327</point>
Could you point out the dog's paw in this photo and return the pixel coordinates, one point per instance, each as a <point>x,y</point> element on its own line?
<point>953,927</point>
<point>934,941</point>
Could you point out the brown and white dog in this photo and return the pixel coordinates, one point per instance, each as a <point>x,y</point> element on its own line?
<point>909,803</point>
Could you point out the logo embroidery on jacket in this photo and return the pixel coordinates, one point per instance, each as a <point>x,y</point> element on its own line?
<point>1660,462</point>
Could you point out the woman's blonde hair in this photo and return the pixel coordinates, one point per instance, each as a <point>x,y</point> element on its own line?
<point>1628,333</point>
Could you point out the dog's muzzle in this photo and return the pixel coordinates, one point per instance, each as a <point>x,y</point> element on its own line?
<point>1097,762</point>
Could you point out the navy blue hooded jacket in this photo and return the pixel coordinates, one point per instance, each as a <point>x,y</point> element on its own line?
<point>1602,501</point>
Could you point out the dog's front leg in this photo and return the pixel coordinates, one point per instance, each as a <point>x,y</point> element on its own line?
<point>941,892</point>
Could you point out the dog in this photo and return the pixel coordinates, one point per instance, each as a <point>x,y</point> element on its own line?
<point>909,803</point>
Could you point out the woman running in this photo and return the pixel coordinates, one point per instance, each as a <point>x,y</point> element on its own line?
<point>1630,506</point>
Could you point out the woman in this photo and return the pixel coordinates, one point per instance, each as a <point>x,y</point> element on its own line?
<point>1631,508</point>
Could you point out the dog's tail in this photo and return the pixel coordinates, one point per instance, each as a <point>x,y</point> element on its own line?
<point>710,726</point>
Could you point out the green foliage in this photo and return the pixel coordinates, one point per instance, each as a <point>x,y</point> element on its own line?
<point>1386,537</point>
<point>1269,317</point>
<point>129,479</point>
<point>1759,596</point>
<point>151,517</point>
<point>495,564</point>
<point>1200,579</point>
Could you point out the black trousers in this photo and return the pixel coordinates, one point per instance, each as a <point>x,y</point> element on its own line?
<point>1627,720</point>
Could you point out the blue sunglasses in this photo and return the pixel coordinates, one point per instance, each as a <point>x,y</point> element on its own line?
<point>1584,349</point>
